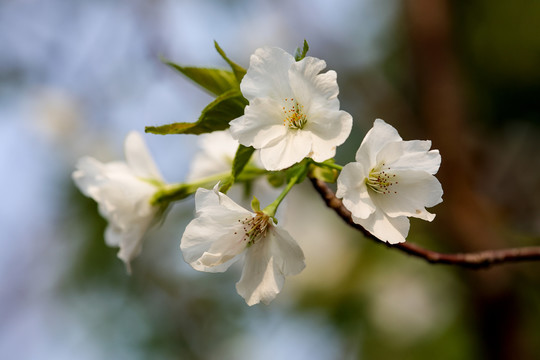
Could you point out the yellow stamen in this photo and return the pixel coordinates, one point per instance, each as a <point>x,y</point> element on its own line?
<point>380,180</point>
<point>255,227</point>
<point>294,115</point>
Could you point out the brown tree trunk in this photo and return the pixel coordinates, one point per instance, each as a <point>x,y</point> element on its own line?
<point>469,217</point>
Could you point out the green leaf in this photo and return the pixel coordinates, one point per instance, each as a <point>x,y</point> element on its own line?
<point>241,158</point>
<point>301,53</point>
<point>215,81</point>
<point>226,185</point>
<point>215,116</point>
<point>238,71</point>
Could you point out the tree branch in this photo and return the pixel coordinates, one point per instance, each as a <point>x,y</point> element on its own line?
<point>474,260</point>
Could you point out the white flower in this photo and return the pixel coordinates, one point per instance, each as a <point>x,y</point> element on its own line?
<point>293,110</point>
<point>216,155</point>
<point>123,191</point>
<point>390,180</point>
<point>223,230</point>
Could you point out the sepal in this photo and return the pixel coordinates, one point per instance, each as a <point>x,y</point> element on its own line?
<point>255,205</point>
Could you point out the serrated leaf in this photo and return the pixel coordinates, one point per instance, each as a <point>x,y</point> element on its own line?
<point>215,81</point>
<point>301,53</point>
<point>215,116</point>
<point>238,71</point>
<point>241,158</point>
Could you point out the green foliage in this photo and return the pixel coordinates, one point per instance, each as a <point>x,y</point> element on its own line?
<point>301,53</point>
<point>226,184</point>
<point>242,157</point>
<point>228,105</point>
<point>238,71</point>
<point>214,117</point>
<point>215,81</point>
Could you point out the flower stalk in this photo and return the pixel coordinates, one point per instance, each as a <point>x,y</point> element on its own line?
<point>329,165</point>
<point>175,192</point>
<point>296,178</point>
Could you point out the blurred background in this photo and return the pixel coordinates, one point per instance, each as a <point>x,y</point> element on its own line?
<point>76,76</point>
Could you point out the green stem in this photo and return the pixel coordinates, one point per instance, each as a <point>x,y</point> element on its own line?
<point>250,173</point>
<point>175,192</point>
<point>210,180</point>
<point>329,165</point>
<point>271,209</point>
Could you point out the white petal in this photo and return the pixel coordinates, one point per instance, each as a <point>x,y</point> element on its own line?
<point>212,241</point>
<point>376,138</point>
<point>317,93</point>
<point>410,155</point>
<point>217,151</point>
<point>267,263</point>
<point>215,203</point>
<point>210,245</point>
<point>261,124</point>
<point>295,146</point>
<point>129,240</point>
<point>113,236</point>
<point>132,240</point>
<point>120,195</point>
<point>123,199</point>
<point>88,176</point>
<point>414,191</point>
<point>330,129</point>
<point>267,75</point>
<point>287,254</point>
<point>312,89</point>
<point>351,187</point>
<point>391,230</point>
<point>138,157</point>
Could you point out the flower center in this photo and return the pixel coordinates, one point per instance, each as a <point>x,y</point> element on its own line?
<point>380,180</point>
<point>255,227</point>
<point>294,115</point>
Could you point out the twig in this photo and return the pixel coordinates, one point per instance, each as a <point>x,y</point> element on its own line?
<point>474,260</point>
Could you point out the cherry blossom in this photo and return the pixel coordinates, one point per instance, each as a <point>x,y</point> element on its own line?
<point>391,180</point>
<point>123,191</point>
<point>223,231</point>
<point>293,110</point>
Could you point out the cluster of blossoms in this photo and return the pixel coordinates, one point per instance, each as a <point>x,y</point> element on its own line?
<point>292,122</point>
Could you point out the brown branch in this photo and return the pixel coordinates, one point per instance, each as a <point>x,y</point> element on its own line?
<point>475,260</point>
